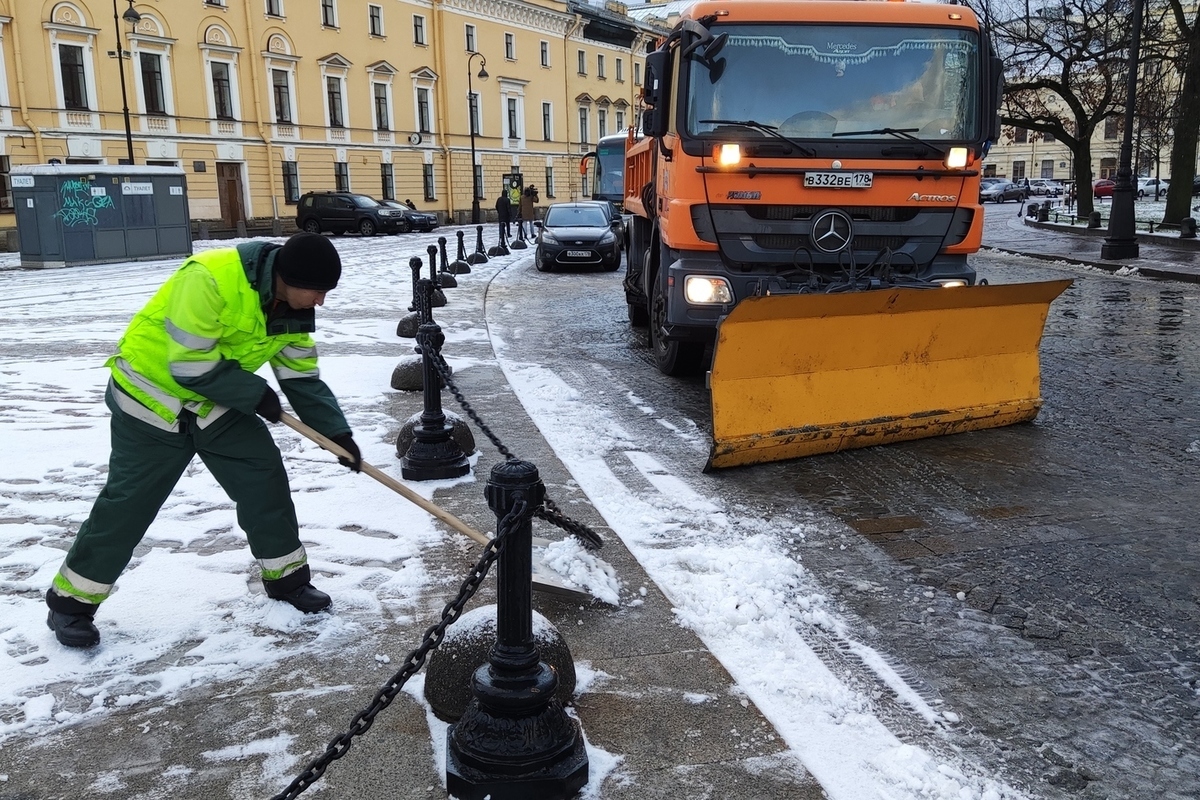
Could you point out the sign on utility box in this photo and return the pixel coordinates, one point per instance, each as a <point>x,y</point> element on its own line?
<point>92,214</point>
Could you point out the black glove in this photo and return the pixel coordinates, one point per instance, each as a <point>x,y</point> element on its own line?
<point>268,407</point>
<point>347,443</point>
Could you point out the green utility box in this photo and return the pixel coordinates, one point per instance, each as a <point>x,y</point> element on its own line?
<point>92,214</point>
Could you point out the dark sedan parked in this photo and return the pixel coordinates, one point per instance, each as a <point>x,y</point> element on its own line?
<point>423,221</point>
<point>1002,192</point>
<point>576,234</point>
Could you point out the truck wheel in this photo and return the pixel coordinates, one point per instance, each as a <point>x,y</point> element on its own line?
<point>679,359</point>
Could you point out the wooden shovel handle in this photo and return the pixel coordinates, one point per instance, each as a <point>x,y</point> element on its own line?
<point>387,480</point>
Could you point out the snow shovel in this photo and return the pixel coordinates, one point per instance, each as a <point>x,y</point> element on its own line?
<point>544,578</point>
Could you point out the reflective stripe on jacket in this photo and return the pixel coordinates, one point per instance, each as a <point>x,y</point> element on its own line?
<point>207,321</point>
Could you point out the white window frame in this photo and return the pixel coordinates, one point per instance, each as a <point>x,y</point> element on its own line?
<point>338,68</point>
<point>424,79</point>
<point>601,123</point>
<point>5,116</point>
<point>382,33</point>
<point>85,39</point>
<point>147,38</point>
<point>212,52</point>
<point>544,46</point>
<point>620,121</point>
<point>478,113</point>
<point>423,41</point>
<point>267,9</point>
<point>279,57</point>
<point>383,73</point>
<point>600,73</point>
<point>512,89</point>
<point>620,70</point>
<point>581,62</point>
<point>637,73</point>
<point>334,5</point>
<point>547,121</point>
<point>510,46</point>
<point>470,38</point>
<point>585,122</point>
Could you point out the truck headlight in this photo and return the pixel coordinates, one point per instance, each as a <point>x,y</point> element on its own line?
<point>956,158</point>
<point>706,290</point>
<point>950,283</point>
<point>727,155</point>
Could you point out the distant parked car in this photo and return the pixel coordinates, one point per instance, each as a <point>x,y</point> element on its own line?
<point>1046,187</point>
<point>424,221</point>
<point>1002,192</point>
<point>1152,187</point>
<point>340,212</point>
<point>1102,188</point>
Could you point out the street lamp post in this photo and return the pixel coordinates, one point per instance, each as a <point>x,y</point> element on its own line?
<point>133,18</point>
<point>472,105</point>
<point>1121,241</point>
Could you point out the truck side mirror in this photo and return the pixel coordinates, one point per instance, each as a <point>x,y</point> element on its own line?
<point>655,94</point>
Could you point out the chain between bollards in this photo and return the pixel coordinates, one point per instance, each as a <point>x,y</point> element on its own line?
<point>340,745</point>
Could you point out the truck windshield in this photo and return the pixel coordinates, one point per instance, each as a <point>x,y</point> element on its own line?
<point>811,81</point>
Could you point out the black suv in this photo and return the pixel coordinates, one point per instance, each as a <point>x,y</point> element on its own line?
<point>339,212</point>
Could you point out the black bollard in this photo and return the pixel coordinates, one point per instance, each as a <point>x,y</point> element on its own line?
<point>480,255</point>
<point>460,265</point>
<point>414,264</point>
<point>519,243</point>
<point>439,299</point>
<point>433,455</point>
<point>1094,219</point>
<point>447,280</point>
<point>504,244</point>
<point>1032,210</point>
<point>1043,214</point>
<point>1187,228</point>
<point>515,741</point>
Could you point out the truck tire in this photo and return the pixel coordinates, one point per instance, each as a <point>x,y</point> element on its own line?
<point>679,359</point>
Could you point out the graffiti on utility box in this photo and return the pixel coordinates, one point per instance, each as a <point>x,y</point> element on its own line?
<point>80,201</point>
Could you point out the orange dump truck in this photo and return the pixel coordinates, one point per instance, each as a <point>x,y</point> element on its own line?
<point>804,196</point>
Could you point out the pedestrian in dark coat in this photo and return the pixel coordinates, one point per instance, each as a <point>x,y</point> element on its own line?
<point>504,211</point>
<point>528,211</point>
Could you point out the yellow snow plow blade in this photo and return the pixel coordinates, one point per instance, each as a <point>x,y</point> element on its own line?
<point>798,375</point>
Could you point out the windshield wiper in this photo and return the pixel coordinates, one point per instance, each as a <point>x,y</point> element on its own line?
<point>770,130</point>
<point>899,133</point>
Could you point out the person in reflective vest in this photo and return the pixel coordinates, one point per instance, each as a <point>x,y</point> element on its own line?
<point>183,383</point>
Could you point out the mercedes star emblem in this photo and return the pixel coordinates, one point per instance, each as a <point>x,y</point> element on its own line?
<point>832,231</point>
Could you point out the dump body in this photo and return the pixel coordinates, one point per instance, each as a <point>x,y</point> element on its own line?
<point>809,154</point>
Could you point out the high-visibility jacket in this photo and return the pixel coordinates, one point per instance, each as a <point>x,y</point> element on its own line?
<point>198,342</point>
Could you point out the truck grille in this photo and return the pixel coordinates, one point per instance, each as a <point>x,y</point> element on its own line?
<point>857,213</point>
<point>790,243</point>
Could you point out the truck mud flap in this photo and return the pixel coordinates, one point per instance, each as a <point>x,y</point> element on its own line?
<point>798,375</point>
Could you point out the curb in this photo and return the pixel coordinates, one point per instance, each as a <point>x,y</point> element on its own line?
<point>1145,272</point>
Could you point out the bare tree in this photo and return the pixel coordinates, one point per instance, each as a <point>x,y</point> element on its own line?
<point>1065,65</point>
<point>1186,60</point>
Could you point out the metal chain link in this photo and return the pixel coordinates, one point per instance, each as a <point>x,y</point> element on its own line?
<point>340,745</point>
<point>548,511</point>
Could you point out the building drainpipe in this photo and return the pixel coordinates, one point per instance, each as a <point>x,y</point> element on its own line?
<point>258,117</point>
<point>571,31</point>
<point>439,66</point>
<point>24,105</point>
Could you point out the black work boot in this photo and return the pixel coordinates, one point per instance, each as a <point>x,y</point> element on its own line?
<point>299,591</point>
<point>71,620</point>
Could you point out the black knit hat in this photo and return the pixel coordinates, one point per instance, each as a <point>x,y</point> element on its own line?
<point>309,261</point>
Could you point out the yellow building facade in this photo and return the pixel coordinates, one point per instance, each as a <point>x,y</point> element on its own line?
<point>260,101</point>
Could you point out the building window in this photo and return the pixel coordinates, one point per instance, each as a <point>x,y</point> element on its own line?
<point>620,122</point>
<point>1047,137</point>
<point>387,183</point>
<point>74,83</point>
<point>513,132</point>
<point>471,39</point>
<point>547,130</point>
<point>510,47</point>
<point>6,199</point>
<point>473,111</point>
<point>1018,170</point>
<point>1108,168</point>
<point>383,114</point>
<point>581,58</point>
<point>333,93</point>
<point>418,29</point>
<point>375,20</point>
<point>222,92</point>
<point>1020,136</point>
<point>291,183</point>
<point>427,180</point>
<point>423,110</point>
<point>583,126</point>
<point>1111,124</point>
<point>620,71</point>
<point>602,122</point>
<point>329,13</point>
<point>1047,168</point>
<point>341,176</point>
<point>545,54</point>
<point>478,178</point>
<point>152,83</point>
<point>600,66</point>
<point>637,74</point>
<point>549,181</point>
<point>274,8</point>
<point>283,96</point>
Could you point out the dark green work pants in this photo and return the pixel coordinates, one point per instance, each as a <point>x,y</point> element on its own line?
<point>144,467</point>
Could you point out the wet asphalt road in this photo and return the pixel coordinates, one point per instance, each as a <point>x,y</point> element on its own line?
<point>1043,579</point>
